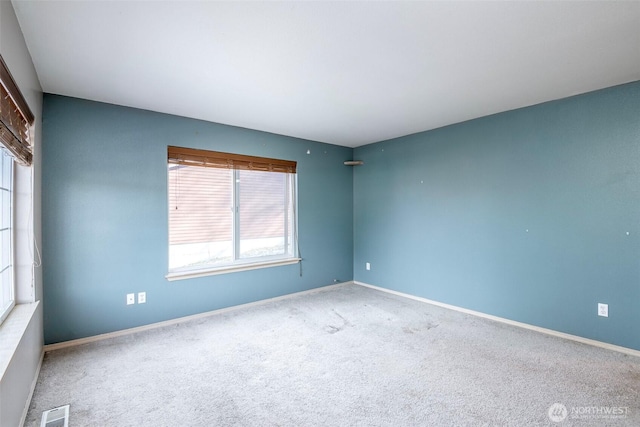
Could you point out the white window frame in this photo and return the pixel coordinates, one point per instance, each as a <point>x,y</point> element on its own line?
<point>238,264</point>
<point>6,309</point>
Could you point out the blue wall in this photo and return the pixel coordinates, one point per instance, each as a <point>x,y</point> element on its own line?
<point>444,214</point>
<point>522,215</point>
<point>105,217</point>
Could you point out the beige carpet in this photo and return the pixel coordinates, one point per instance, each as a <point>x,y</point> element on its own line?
<point>342,356</point>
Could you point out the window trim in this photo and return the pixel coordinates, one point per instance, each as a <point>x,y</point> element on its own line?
<point>233,268</point>
<point>237,162</point>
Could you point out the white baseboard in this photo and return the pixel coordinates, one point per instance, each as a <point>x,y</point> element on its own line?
<point>595,343</point>
<point>25,411</point>
<point>558,334</point>
<point>80,341</point>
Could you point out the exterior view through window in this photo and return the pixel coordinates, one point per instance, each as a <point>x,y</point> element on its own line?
<point>228,210</point>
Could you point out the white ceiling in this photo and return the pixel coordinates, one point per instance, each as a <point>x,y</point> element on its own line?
<point>347,73</point>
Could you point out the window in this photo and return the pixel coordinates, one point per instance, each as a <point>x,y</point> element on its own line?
<point>6,234</point>
<point>229,212</point>
<point>16,121</point>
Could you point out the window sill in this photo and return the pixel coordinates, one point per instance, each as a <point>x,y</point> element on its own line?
<point>12,330</point>
<point>181,275</point>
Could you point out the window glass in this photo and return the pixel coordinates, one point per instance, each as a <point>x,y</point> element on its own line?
<point>264,214</point>
<point>225,217</point>
<point>7,286</point>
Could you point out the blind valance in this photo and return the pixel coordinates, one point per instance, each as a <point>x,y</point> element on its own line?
<point>216,159</point>
<point>15,118</point>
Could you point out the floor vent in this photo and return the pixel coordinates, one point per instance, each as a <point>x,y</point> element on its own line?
<point>56,417</point>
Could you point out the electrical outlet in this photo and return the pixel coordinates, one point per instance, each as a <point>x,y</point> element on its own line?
<point>603,310</point>
<point>142,297</point>
<point>368,266</point>
<point>131,299</point>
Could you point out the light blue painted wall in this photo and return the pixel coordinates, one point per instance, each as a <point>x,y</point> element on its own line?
<point>444,214</point>
<point>105,217</point>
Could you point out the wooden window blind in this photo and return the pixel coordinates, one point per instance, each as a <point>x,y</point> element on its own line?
<point>15,118</point>
<point>215,159</point>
